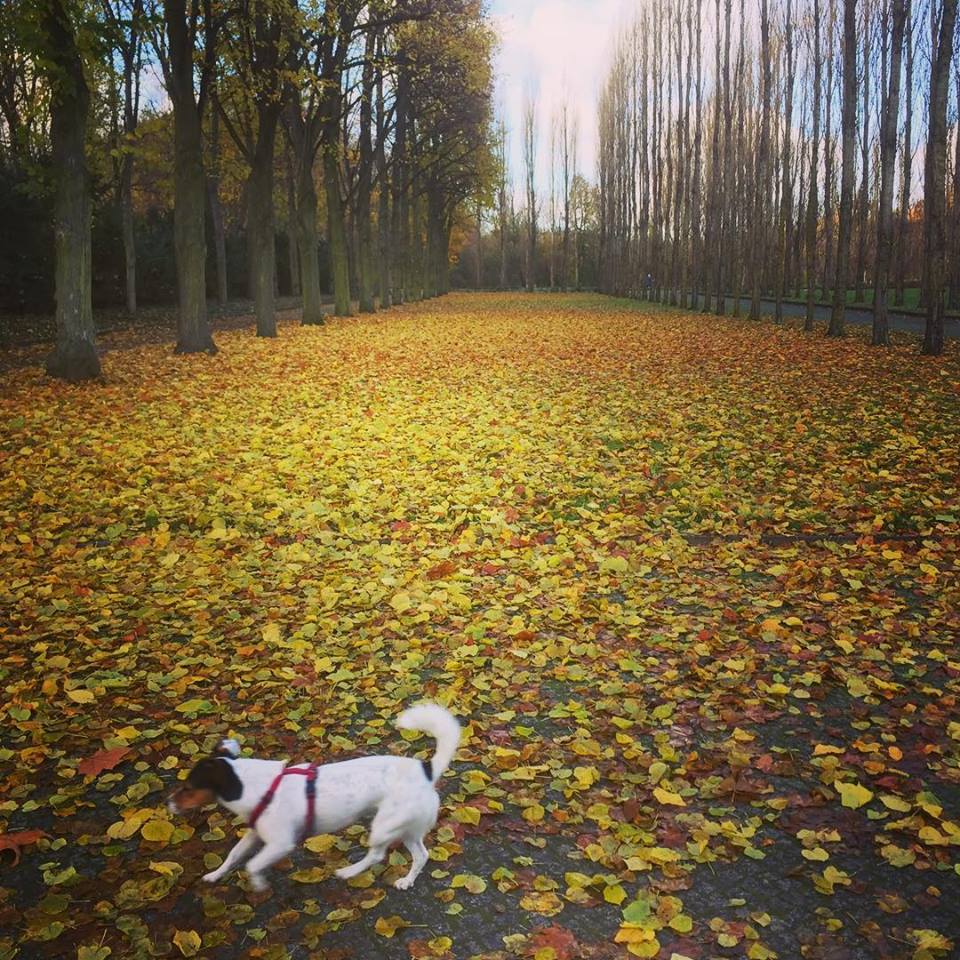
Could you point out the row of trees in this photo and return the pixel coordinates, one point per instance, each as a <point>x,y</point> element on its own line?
<point>374,114</point>
<point>774,152</point>
<point>549,241</point>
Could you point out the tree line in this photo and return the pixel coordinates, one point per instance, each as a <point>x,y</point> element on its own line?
<point>366,122</point>
<point>784,148</point>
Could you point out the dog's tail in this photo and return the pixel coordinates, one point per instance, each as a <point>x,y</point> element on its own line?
<point>437,721</point>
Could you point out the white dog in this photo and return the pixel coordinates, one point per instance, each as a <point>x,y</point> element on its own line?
<point>283,805</point>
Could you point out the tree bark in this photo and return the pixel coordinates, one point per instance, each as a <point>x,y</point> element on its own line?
<point>261,230</point>
<point>365,271</point>
<point>934,200</point>
<point>786,189</point>
<point>385,254</point>
<point>193,331</point>
<point>906,171</point>
<point>216,208</point>
<point>849,131</point>
<point>864,204</point>
<point>888,156</point>
<point>760,185</point>
<point>336,221</point>
<point>74,357</point>
<point>812,201</point>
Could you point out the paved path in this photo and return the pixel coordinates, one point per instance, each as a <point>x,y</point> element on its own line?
<point>905,322</point>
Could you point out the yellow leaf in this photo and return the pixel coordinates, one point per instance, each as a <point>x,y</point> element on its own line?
<point>534,813</point>
<point>188,942</point>
<point>81,696</point>
<point>401,602</point>
<point>158,831</point>
<point>388,926</point>
<point>853,795</point>
<point>668,798</point>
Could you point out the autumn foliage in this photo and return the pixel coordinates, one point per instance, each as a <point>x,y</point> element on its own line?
<point>692,585</point>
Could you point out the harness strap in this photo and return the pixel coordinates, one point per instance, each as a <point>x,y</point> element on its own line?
<point>311,774</point>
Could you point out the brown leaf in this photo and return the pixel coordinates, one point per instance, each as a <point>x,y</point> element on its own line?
<point>17,841</point>
<point>102,760</point>
<point>442,570</point>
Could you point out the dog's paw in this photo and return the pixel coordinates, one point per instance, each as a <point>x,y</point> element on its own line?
<point>404,883</point>
<point>258,884</point>
<point>212,877</point>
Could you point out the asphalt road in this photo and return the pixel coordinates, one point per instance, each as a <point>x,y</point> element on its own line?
<point>905,322</point>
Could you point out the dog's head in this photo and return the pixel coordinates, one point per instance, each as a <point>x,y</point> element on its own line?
<point>211,780</point>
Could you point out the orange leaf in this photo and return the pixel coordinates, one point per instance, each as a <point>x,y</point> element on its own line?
<point>16,841</point>
<point>102,760</point>
<point>442,570</point>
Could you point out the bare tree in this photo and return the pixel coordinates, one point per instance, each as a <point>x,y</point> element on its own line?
<point>812,201</point>
<point>849,132</point>
<point>934,201</point>
<point>888,156</point>
<point>530,171</point>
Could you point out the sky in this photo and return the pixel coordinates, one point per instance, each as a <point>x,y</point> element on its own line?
<point>556,49</point>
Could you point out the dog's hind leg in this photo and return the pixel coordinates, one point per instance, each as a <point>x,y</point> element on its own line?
<point>268,856</point>
<point>374,855</point>
<point>240,851</point>
<point>419,855</point>
<point>384,830</point>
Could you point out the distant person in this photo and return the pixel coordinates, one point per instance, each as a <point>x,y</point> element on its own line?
<point>648,284</point>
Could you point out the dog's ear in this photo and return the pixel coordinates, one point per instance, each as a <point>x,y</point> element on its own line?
<point>217,774</point>
<point>227,748</point>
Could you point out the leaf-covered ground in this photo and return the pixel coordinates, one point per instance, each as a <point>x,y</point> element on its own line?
<point>692,583</point>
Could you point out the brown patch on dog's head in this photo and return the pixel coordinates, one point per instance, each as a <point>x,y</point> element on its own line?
<point>187,798</point>
<point>212,779</point>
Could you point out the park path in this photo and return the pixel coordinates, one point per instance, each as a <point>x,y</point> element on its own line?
<point>692,586</point>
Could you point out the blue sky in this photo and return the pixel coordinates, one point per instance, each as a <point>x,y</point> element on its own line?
<point>558,49</point>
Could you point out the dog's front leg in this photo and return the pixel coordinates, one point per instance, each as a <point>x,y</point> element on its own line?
<point>269,855</point>
<point>240,851</point>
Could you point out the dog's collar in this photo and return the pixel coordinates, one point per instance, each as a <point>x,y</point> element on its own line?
<point>310,772</point>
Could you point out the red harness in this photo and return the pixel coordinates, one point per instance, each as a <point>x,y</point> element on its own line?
<point>311,774</point>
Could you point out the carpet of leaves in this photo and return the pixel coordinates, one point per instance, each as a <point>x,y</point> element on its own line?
<point>692,584</point>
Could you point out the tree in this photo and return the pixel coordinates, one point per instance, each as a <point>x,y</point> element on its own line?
<point>812,200</point>
<point>849,132</point>
<point>934,186</point>
<point>258,53</point>
<point>786,189</point>
<point>888,156</point>
<point>761,185</point>
<point>126,22</point>
<point>178,52</point>
<point>74,358</point>
<point>530,173</point>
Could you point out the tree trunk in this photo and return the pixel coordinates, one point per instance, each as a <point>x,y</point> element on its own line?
<point>812,201</point>
<point>74,358</point>
<point>786,188</point>
<point>906,171</point>
<point>216,208</point>
<point>849,131</point>
<point>193,331</point>
<point>365,271</point>
<point>888,157</point>
<point>261,233</point>
<point>293,254</point>
<point>308,241</point>
<point>761,184</point>
<point>864,163</point>
<point>934,186</point>
<point>385,254</point>
<point>336,222</point>
<point>830,149</point>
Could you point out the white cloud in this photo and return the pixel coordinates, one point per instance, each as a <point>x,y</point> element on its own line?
<point>557,50</point>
